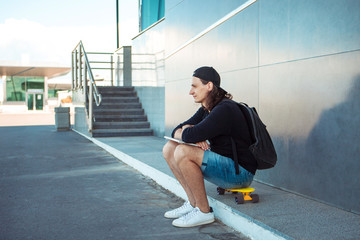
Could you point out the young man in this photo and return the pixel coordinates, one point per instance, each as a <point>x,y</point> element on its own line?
<point>217,121</point>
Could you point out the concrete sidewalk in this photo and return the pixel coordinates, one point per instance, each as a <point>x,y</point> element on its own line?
<point>27,119</point>
<point>278,215</point>
<point>59,185</point>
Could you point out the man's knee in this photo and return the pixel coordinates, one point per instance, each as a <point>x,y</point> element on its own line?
<point>184,154</point>
<point>181,153</point>
<point>168,149</point>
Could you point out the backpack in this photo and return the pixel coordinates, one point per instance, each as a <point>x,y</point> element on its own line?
<point>262,148</point>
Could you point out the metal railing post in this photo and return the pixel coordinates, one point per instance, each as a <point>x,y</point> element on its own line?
<point>76,68</point>
<point>82,73</point>
<point>90,106</point>
<point>112,70</point>
<point>85,82</point>
<point>80,67</point>
<point>72,70</point>
<point>118,70</point>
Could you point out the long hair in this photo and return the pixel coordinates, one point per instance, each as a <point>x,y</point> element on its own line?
<point>215,96</point>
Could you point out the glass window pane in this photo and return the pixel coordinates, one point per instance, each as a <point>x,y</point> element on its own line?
<point>14,89</point>
<point>30,101</point>
<point>34,83</point>
<point>151,12</point>
<point>52,93</point>
<point>39,101</point>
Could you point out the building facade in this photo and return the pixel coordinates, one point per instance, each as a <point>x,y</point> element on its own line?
<point>297,62</point>
<point>28,88</point>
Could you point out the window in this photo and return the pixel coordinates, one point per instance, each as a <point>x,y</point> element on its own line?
<point>16,87</point>
<point>151,11</point>
<point>53,93</point>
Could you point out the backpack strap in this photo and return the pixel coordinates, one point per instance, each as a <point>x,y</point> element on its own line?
<point>236,161</point>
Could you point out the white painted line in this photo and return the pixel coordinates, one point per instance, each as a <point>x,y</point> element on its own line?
<point>243,223</point>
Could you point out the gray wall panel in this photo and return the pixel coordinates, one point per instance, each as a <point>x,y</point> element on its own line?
<point>188,18</point>
<point>153,101</point>
<point>234,44</point>
<point>230,47</point>
<point>148,75</point>
<point>311,108</point>
<point>243,85</point>
<point>181,66</point>
<point>170,4</point>
<point>293,30</point>
<point>179,105</point>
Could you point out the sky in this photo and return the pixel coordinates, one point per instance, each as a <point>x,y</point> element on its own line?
<point>46,31</point>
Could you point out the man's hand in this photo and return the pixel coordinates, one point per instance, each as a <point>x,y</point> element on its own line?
<point>178,133</point>
<point>186,126</point>
<point>203,145</point>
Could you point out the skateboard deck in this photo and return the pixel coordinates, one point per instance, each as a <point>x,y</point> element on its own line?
<point>246,194</point>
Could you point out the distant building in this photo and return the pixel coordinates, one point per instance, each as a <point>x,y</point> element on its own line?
<point>29,88</point>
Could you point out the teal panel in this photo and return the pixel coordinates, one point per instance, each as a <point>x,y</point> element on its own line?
<point>151,12</point>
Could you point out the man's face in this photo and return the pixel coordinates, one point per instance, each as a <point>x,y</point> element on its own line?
<point>200,91</point>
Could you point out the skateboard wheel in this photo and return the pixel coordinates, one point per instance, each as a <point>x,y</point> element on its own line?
<point>220,191</point>
<point>240,199</point>
<point>255,198</point>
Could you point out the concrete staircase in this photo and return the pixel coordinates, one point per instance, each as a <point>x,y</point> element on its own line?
<point>120,114</point>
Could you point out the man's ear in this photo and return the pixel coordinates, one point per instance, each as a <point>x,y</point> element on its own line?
<point>210,86</point>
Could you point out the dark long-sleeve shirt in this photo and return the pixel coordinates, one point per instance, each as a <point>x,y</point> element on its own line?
<point>224,121</point>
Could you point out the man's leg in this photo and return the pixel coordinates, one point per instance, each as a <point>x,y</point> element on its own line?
<point>189,159</point>
<point>168,153</point>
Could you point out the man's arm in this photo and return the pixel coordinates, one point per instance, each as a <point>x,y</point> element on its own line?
<point>178,133</point>
<point>204,145</point>
<point>195,119</point>
<point>218,122</point>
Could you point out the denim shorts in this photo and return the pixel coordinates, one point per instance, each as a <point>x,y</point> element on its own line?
<point>220,171</point>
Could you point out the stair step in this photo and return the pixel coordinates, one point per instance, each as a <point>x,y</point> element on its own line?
<point>115,105</point>
<point>121,125</point>
<point>118,89</point>
<point>118,94</point>
<point>121,132</point>
<point>120,112</point>
<point>124,118</point>
<point>120,100</point>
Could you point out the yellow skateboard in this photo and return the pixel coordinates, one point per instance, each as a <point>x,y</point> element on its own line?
<point>245,196</point>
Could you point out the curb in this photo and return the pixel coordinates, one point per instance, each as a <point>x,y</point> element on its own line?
<point>231,217</point>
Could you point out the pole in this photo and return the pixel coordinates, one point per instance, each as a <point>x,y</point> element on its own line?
<point>117,24</point>
<point>90,106</point>
<point>127,66</point>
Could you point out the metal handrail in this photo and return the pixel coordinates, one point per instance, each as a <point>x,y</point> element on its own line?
<point>96,93</point>
<point>93,91</point>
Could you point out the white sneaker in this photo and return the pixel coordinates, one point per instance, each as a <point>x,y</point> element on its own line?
<point>180,211</point>
<point>194,218</point>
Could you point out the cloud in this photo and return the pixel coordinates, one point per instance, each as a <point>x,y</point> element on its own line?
<point>24,40</point>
